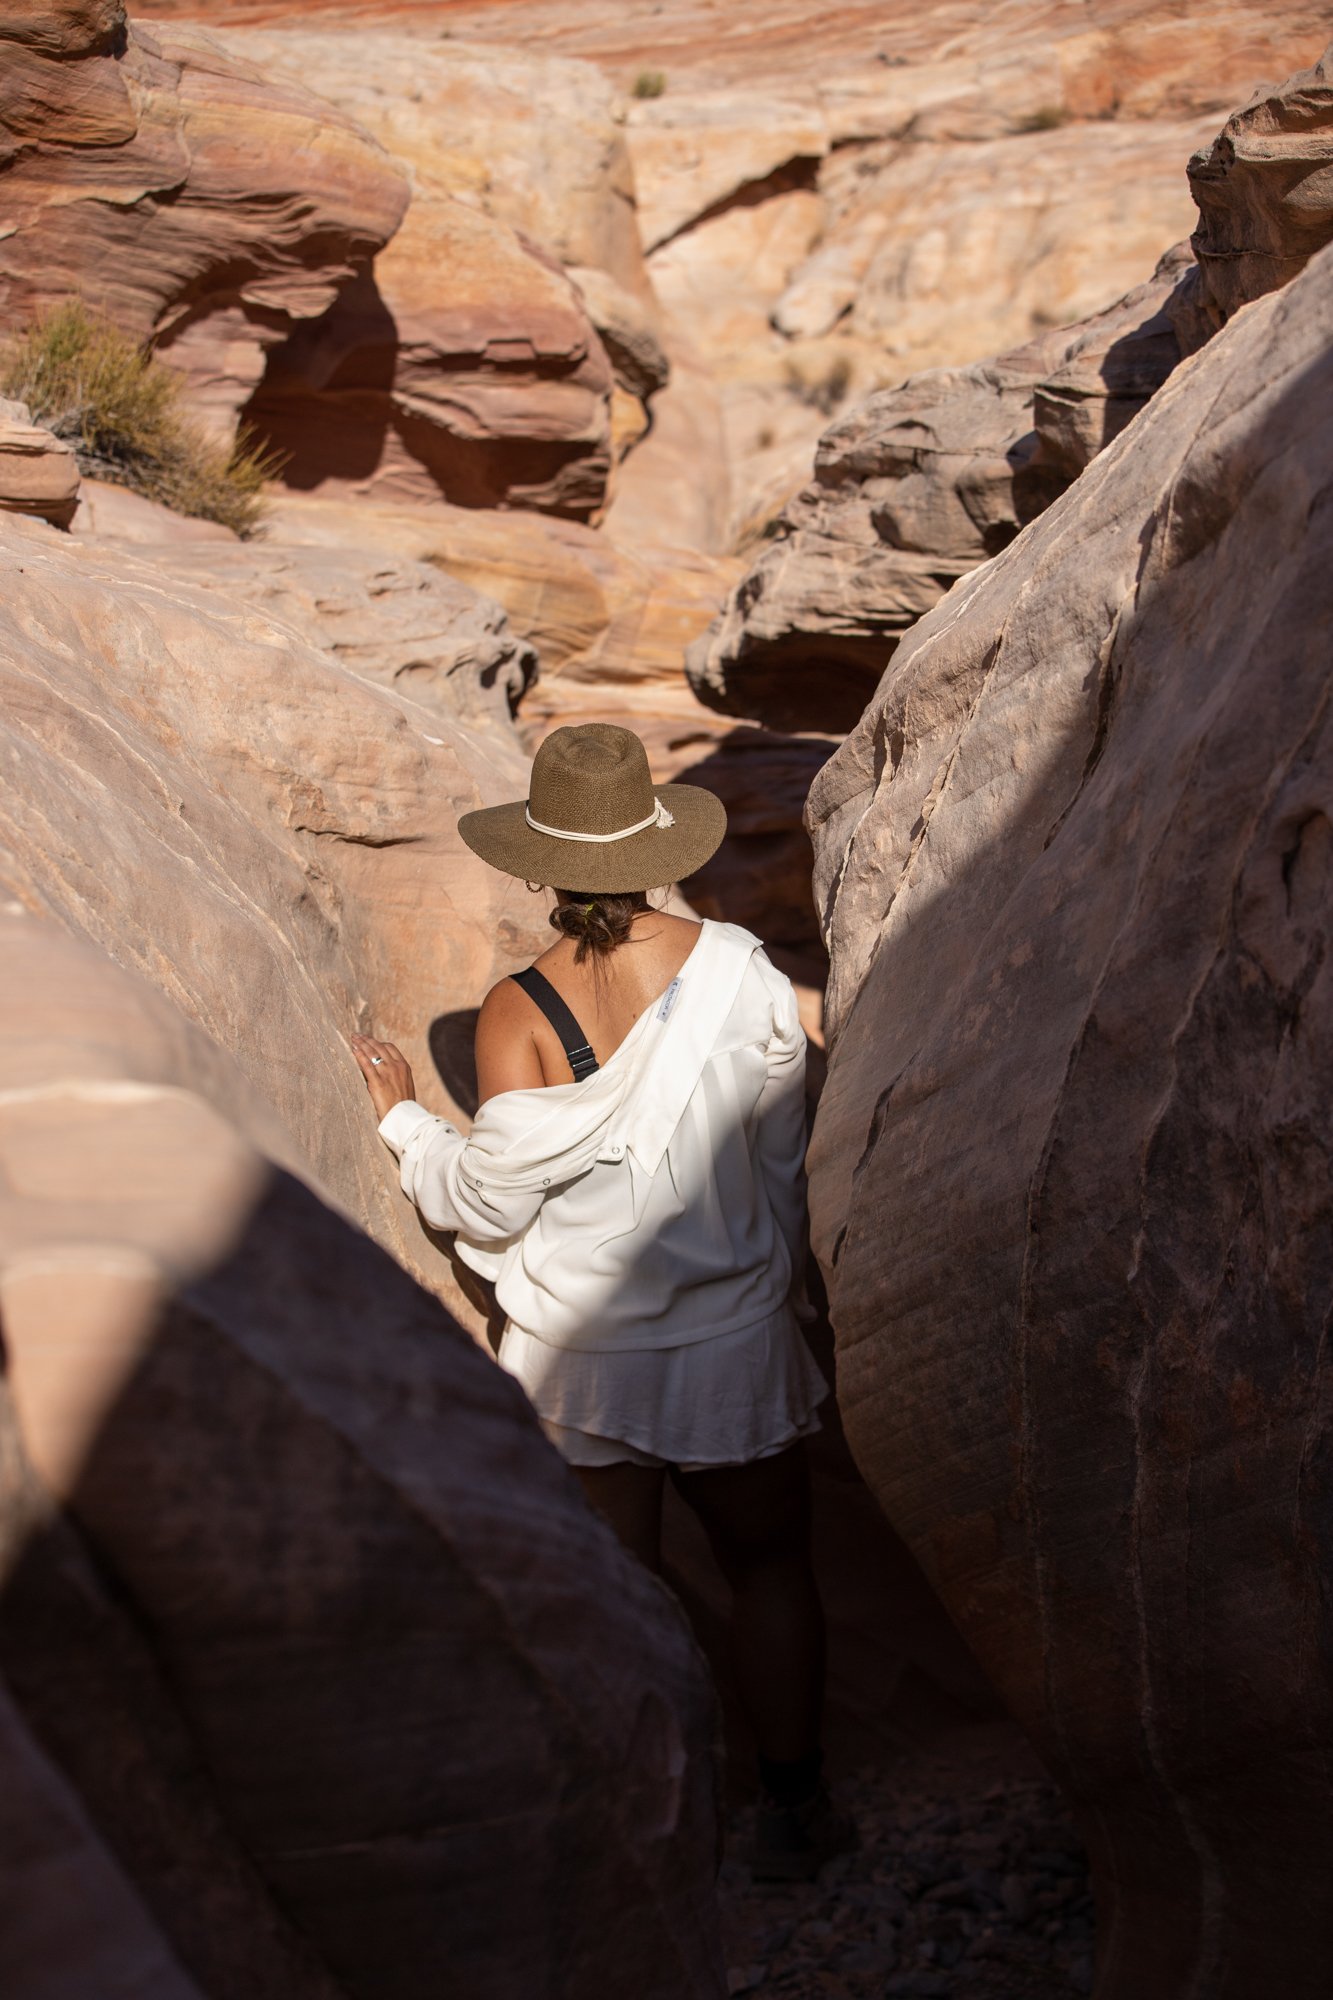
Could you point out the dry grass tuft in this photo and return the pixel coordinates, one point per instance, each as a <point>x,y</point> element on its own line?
<point>1046,118</point>
<point>120,409</point>
<point>650,83</point>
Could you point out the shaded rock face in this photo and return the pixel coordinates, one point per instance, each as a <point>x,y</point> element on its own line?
<point>267,833</point>
<point>297,1603</point>
<point>1071,1170</point>
<point>191,197</point>
<point>39,473</point>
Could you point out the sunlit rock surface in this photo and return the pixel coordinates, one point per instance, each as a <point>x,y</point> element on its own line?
<point>263,831</point>
<point>1071,1169</point>
<point>1265,192</point>
<point>919,483</point>
<point>188,195</point>
<point>39,473</point>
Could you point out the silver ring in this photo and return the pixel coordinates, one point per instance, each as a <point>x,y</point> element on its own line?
<point>375,1059</point>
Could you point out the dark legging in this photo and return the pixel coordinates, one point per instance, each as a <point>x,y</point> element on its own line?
<point>757,1518</point>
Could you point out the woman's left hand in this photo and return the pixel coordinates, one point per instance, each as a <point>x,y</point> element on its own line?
<point>385,1068</point>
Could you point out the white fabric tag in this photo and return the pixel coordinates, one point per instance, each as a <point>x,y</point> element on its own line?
<point>668,1000</point>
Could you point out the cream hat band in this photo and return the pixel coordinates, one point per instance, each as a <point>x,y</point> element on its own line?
<point>594,821</point>
<point>659,816</point>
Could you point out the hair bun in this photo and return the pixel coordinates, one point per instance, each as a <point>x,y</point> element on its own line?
<point>596,924</point>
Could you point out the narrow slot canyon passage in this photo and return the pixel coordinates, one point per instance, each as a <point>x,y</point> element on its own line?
<point>909,428</point>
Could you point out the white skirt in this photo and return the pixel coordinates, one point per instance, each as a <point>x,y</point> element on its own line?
<point>723,1401</point>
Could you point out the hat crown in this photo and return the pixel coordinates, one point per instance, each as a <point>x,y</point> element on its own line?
<point>591,778</point>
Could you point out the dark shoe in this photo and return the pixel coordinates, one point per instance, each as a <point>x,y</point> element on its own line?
<point>792,1843</point>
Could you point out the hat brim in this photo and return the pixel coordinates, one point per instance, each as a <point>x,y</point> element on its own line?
<point>648,860</point>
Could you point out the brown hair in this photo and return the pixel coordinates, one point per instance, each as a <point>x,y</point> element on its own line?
<point>596,924</point>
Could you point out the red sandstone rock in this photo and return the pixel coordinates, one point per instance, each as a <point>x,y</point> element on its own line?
<point>193,198</point>
<point>1071,1170</point>
<point>491,388</point>
<point>310,1647</point>
<point>39,474</point>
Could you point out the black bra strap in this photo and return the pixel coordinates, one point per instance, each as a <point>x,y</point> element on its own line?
<point>573,1040</point>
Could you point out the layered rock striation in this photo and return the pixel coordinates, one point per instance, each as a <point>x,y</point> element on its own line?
<point>1070,1174</point>
<point>39,473</point>
<point>197,201</point>
<point>920,483</point>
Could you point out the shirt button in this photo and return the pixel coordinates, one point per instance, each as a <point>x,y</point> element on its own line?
<point>547,1181</point>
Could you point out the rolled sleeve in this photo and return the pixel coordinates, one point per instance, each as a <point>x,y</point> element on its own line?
<point>450,1189</point>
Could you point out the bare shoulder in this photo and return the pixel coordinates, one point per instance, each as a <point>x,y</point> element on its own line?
<point>506,1051</point>
<point>504,1004</point>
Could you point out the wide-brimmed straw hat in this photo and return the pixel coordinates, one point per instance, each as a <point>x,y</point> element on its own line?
<point>593,819</point>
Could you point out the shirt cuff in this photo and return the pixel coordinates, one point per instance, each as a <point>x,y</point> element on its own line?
<point>402,1122</point>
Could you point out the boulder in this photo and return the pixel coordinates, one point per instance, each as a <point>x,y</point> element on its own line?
<point>298,1604</point>
<point>225,807</point>
<point>491,390</point>
<point>39,473</point>
<point>195,199</point>
<point>1264,191</point>
<point>1071,1172</point>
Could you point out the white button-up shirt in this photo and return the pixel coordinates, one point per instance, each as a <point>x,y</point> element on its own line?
<point>661,1200</point>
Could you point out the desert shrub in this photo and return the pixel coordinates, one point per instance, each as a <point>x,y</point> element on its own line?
<point>824,390</point>
<point>649,83</point>
<point>1046,118</point>
<point>119,407</point>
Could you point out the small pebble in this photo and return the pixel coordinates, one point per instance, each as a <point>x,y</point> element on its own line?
<point>744,1978</point>
<point>983,1897</point>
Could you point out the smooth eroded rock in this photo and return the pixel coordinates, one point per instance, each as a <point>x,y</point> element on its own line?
<point>298,1605</point>
<point>1071,1170</point>
<point>268,834</point>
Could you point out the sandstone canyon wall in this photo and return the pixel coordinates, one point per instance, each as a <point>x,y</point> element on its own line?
<point>308,1645</point>
<point>545,357</point>
<point>923,481</point>
<point>1070,1174</point>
